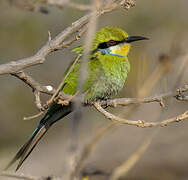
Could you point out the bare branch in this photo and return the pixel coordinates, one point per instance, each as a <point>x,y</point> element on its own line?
<point>38,101</point>
<point>50,46</point>
<point>140,123</point>
<point>34,116</point>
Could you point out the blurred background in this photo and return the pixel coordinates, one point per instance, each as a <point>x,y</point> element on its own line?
<point>158,65</point>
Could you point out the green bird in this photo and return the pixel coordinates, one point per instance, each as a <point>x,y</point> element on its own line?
<point>108,68</point>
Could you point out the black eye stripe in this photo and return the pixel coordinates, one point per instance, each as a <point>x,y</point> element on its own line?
<point>107,44</point>
<point>103,45</point>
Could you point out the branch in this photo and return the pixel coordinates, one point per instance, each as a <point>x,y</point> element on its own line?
<point>140,123</point>
<point>50,46</point>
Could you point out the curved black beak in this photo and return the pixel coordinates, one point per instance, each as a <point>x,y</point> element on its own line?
<point>135,38</point>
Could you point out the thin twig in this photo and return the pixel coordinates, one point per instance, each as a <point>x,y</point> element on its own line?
<point>34,116</point>
<point>37,100</point>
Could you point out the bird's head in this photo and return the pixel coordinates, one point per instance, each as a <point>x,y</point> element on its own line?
<point>114,41</point>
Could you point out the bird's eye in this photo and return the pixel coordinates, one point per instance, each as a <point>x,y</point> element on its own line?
<point>107,44</point>
<point>111,43</point>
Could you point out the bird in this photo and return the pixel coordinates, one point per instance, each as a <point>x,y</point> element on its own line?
<point>108,67</point>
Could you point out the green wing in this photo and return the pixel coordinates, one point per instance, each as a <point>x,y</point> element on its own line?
<point>71,82</point>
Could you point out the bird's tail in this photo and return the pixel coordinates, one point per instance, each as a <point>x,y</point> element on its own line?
<point>27,148</point>
<point>51,117</point>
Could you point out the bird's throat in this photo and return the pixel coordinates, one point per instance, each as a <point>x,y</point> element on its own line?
<point>120,50</point>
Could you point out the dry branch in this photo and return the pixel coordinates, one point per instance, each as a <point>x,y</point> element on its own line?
<point>140,123</point>
<point>50,46</point>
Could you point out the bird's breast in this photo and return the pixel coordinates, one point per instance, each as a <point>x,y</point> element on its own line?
<point>109,80</point>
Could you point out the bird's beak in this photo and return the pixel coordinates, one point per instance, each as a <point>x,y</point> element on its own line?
<point>135,38</point>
